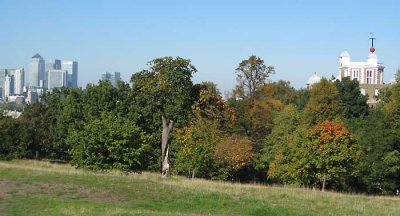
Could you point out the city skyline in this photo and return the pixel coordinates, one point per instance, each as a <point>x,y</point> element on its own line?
<point>297,37</point>
<point>43,73</point>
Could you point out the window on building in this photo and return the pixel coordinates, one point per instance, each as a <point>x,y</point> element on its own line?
<point>369,76</point>
<point>376,92</point>
<point>363,91</point>
<point>355,74</point>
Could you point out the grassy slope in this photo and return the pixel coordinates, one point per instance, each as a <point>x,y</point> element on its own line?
<point>40,188</point>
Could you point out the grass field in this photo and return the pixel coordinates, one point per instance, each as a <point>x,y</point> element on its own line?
<point>42,188</point>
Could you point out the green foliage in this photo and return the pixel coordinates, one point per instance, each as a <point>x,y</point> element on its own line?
<point>323,154</point>
<point>260,133</point>
<point>194,148</point>
<point>34,130</point>
<point>277,143</point>
<point>209,104</point>
<point>251,74</point>
<point>392,105</point>
<point>355,104</point>
<point>166,88</point>
<point>9,140</point>
<point>324,103</point>
<point>333,152</point>
<point>65,111</point>
<point>164,91</point>
<point>110,142</point>
<point>379,140</point>
<point>301,98</point>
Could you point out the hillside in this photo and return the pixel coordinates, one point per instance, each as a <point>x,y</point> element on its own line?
<point>42,188</point>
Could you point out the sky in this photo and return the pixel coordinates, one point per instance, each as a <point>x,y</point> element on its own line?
<point>297,37</point>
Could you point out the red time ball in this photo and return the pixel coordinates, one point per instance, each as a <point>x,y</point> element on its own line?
<point>372,49</point>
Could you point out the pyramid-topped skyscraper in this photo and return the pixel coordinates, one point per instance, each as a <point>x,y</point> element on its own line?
<point>37,74</point>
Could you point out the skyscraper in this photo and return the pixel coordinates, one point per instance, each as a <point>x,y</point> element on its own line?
<point>113,78</point>
<point>53,64</point>
<point>17,76</point>
<point>37,71</point>
<point>72,69</point>
<point>2,80</point>
<point>8,86</point>
<point>57,78</point>
<point>19,79</point>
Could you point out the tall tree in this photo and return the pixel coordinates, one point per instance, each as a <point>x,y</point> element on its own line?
<point>355,104</point>
<point>324,103</point>
<point>379,167</point>
<point>167,86</point>
<point>277,143</point>
<point>301,98</point>
<point>333,152</point>
<point>251,74</point>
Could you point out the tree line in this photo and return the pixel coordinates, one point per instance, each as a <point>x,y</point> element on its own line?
<point>267,132</point>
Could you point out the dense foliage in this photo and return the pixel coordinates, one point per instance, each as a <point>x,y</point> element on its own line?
<point>268,132</point>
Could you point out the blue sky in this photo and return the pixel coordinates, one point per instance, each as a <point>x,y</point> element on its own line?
<point>297,37</point>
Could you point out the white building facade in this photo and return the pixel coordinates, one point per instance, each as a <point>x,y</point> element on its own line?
<point>57,78</point>
<point>72,69</point>
<point>368,72</point>
<point>37,72</point>
<point>8,86</point>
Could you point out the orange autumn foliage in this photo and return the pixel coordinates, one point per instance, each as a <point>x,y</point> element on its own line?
<point>235,151</point>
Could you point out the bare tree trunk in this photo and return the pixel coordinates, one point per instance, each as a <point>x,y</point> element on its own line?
<point>323,184</point>
<point>167,126</point>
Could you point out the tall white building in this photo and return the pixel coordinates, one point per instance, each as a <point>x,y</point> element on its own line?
<point>19,79</point>
<point>72,69</point>
<point>37,73</point>
<point>57,78</point>
<point>17,76</point>
<point>8,86</point>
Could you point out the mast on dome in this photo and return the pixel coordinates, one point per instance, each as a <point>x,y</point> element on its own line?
<point>372,49</point>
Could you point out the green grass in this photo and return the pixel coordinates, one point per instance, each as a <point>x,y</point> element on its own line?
<point>42,188</point>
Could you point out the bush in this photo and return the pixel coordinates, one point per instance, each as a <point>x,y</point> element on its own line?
<point>109,142</point>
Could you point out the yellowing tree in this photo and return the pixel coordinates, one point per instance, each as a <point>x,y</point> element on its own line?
<point>233,152</point>
<point>324,103</point>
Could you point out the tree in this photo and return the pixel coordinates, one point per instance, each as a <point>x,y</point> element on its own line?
<point>325,153</point>
<point>277,143</point>
<point>35,131</point>
<point>109,142</point>
<point>333,150</point>
<point>355,104</point>
<point>233,153</point>
<point>194,148</point>
<point>209,104</point>
<point>65,110</point>
<point>251,74</point>
<point>195,143</point>
<point>167,86</point>
<point>378,136</point>
<point>280,90</point>
<point>10,147</point>
<point>324,103</point>
<point>301,98</point>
